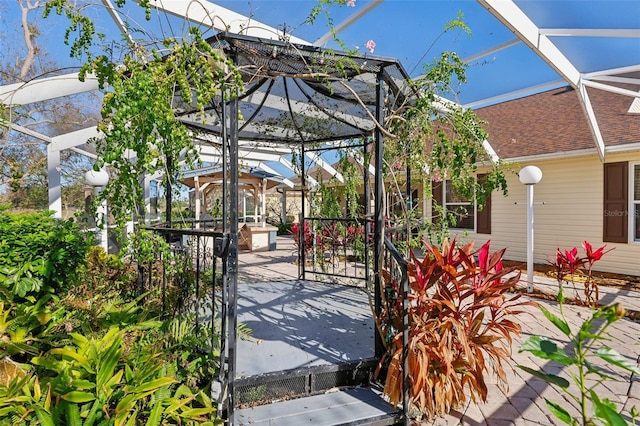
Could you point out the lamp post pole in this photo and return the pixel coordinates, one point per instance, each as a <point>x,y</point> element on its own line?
<point>99,180</point>
<point>530,175</point>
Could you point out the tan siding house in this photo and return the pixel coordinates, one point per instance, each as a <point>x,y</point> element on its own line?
<point>549,130</point>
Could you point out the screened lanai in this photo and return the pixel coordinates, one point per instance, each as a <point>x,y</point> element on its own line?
<point>302,97</point>
<point>518,47</point>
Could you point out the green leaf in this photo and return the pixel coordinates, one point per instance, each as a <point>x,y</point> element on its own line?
<point>156,414</point>
<point>114,380</point>
<point>68,353</point>
<point>44,417</point>
<point>154,384</point>
<point>78,397</point>
<point>73,415</point>
<point>557,321</point>
<point>83,384</point>
<point>195,413</point>
<point>546,349</point>
<point>612,356</point>
<point>94,413</point>
<point>606,410</point>
<point>125,404</point>
<point>549,378</point>
<point>111,358</point>
<point>559,412</point>
<point>593,369</point>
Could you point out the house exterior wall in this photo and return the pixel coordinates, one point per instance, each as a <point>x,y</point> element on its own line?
<point>571,193</point>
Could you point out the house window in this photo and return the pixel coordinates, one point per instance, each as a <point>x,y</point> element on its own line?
<point>461,207</point>
<point>469,217</point>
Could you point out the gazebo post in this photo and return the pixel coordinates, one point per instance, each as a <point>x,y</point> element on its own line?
<point>264,202</point>
<point>233,254</point>
<point>196,197</point>
<point>378,234</point>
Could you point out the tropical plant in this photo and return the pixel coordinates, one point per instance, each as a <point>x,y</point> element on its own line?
<point>95,381</point>
<point>570,268</point>
<point>584,348</point>
<point>38,254</point>
<point>460,325</point>
<point>78,346</point>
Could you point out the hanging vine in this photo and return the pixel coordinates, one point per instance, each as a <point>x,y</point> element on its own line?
<point>438,139</point>
<point>140,132</point>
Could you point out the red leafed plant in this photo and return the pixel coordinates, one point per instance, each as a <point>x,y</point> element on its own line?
<point>460,325</point>
<point>305,232</point>
<point>569,268</point>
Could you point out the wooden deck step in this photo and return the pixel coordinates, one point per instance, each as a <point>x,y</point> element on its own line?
<point>361,406</point>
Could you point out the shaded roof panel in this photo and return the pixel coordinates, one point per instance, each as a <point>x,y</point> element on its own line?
<point>214,174</point>
<point>305,94</point>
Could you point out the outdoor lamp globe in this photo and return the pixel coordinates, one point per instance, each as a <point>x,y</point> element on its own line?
<point>530,175</point>
<point>97,179</point>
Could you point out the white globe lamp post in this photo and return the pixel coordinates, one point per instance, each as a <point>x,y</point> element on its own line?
<point>99,179</point>
<point>529,176</point>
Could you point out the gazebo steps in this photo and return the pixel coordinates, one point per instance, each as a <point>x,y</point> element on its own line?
<point>354,406</point>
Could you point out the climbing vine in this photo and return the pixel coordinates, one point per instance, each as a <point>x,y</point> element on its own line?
<point>140,132</point>
<point>438,139</point>
<point>434,138</point>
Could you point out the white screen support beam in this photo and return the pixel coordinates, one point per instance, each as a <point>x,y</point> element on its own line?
<point>270,170</point>
<point>221,19</point>
<point>44,89</point>
<point>512,17</point>
<point>54,178</point>
<point>368,7</point>
<point>26,131</point>
<point>324,165</point>
<point>593,123</point>
<point>74,139</point>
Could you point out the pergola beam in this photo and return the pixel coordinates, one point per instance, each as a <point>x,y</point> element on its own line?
<point>268,169</point>
<point>44,89</point>
<point>214,16</point>
<point>325,166</point>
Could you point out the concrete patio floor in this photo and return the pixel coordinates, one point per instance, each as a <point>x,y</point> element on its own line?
<point>523,403</point>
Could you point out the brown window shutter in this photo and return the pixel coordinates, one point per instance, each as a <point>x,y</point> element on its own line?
<point>436,192</point>
<point>483,217</point>
<point>616,203</point>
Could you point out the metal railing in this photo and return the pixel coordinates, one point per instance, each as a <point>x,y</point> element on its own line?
<point>193,281</point>
<point>334,248</point>
<point>397,288</point>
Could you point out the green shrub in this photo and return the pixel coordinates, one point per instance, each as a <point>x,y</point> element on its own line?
<point>79,343</point>
<point>39,254</point>
<point>284,228</point>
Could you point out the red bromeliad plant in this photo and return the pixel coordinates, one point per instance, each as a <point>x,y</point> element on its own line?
<point>460,325</point>
<point>569,268</point>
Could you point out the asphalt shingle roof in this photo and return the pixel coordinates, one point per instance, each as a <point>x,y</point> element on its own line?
<point>554,122</point>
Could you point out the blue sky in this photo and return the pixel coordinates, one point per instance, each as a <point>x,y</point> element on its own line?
<point>412,31</point>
